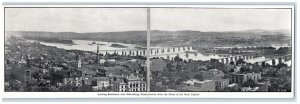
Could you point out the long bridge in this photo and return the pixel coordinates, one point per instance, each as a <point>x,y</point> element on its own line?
<point>153,51</point>
<point>171,51</point>
<point>276,60</point>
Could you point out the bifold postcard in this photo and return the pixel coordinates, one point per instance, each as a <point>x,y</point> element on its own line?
<point>148,51</point>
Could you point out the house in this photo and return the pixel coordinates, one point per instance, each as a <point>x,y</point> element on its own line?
<point>77,81</point>
<point>101,82</point>
<point>45,71</point>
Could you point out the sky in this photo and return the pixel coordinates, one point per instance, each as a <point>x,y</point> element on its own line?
<point>134,19</point>
<point>75,19</point>
<point>220,19</point>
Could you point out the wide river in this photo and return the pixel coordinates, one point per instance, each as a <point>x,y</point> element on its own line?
<point>87,45</point>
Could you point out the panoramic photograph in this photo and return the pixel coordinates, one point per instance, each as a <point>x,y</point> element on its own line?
<point>148,49</point>
<point>75,49</point>
<point>220,50</point>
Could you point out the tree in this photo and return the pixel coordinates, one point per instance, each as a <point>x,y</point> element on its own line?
<point>67,88</point>
<point>85,88</point>
<point>198,77</point>
<point>250,83</point>
<point>231,63</point>
<point>280,65</point>
<point>240,61</point>
<point>177,58</point>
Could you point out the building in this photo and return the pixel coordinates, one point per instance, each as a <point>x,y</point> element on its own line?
<point>131,83</point>
<point>212,73</point>
<point>101,82</point>
<point>221,84</point>
<point>242,78</point>
<point>76,80</point>
<point>114,70</point>
<point>119,84</point>
<point>196,85</point>
<point>87,79</point>
<point>136,84</point>
<point>254,76</point>
<point>73,78</point>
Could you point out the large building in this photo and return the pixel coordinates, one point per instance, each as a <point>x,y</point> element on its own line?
<point>242,78</point>
<point>136,84</point>
<point>73,78</point>
<point>221,84</point>
<point>130,83</point>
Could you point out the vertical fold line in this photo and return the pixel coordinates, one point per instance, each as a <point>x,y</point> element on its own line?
<point>148,50</point>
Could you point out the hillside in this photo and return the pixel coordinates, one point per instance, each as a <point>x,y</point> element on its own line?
<point>169,38</point>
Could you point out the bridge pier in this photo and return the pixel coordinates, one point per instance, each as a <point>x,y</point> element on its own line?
<point>231,59</point>
<point>227,61</point>
<point>235,59</point>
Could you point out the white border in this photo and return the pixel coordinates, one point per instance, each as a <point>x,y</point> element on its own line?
<point>165,94</point>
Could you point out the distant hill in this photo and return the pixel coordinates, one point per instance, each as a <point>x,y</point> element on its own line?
<point>256,32</point>
<point>133,37</point>
<point>139,37</point>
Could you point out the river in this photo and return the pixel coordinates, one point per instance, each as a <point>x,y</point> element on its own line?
<point>87,45</point>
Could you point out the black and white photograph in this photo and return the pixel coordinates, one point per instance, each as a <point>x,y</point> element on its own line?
<point>75,49</point>
<point>148,50</point>
<point>220,50</point>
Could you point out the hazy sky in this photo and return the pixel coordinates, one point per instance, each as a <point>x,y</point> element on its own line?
<point>126,19</point>
<point>75,19</point>
<point>220,19</point>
